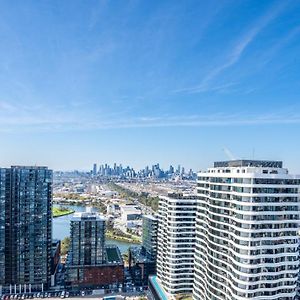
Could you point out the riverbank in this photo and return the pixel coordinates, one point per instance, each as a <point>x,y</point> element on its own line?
<point>113,236</point>
<point>61,229</point>
<point>61,211</point>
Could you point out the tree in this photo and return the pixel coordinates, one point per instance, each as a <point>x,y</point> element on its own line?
<point>65,245</point>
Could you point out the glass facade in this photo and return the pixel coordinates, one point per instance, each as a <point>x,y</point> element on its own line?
<point>25,225</point>
<point>87,239</point>
<point>150,225</point>
<point>87,245</point>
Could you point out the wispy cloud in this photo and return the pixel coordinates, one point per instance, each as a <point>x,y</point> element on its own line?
<point>237,50</point>
<point>204,121</point>
<point>205,88</point>
<point>269,55</point>
<point>62,122</point>
<point>6,107</point>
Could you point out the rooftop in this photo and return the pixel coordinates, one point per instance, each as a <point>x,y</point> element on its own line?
<point>87,216</point>
<point>187,196</point>
<point>248,163</point>
<point>139,254</point>
<point>113,255</point>
<point>151,217</point>
<point>30,167</point>
<point>129,209</point>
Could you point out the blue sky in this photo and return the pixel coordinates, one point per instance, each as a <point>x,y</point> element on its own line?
<point>141,82</point>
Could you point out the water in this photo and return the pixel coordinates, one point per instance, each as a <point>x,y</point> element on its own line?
<point>61,228</point>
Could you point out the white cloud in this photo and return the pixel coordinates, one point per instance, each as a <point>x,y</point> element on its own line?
<point>59,122</point>
<point>237,50</point>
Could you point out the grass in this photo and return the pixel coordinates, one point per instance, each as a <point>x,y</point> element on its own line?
<point>184,297</point>
<point>143,198</point>
<point>122,238</point>
<point>61,211</point>
<point>65,245</point>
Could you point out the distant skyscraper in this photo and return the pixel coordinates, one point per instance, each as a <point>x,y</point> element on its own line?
<point>182,171</point>
<point>95,169</point>
<point>247,232</point>
<point>176,243</point>
<point>25,227</point>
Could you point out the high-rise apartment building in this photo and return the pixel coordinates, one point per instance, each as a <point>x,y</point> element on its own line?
<point>142,259</point>
<point>87,249</point>
<point>87,239</point>
<point>150,227</point>
<point>246,232</point>
<point>91,263</point>
<point>176,243</point>
<point>25,228</point>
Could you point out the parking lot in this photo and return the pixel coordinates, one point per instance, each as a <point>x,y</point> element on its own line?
<point>88,294</point>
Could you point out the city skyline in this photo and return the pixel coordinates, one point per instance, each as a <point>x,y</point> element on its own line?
<point>148,81</point>
<point>163,167</point>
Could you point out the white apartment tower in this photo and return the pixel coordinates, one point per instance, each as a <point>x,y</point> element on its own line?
<point>246,232</point>
<point>176,243</point>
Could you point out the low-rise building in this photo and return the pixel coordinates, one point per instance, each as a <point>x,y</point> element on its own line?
<point>130,213</point>
<point>113,208</point>
<point>131,216</point>
<point>106,275</point>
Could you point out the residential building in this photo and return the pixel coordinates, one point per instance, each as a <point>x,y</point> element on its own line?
<point>246,232</point>
<point>150,227</point>
<point>131,217</point>
<point>25,228</point>
<point>90,262</point>
<point>87,239</point>
<point>109,274</point>
<point>113,208</point>
<point>55,260</point>
<point>130,213</point>
<point>141,266</point>
<point>142,259</point>
<point>176,243</point>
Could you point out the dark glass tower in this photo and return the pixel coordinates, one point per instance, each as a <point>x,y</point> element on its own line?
<point>87,239</point>
<point>87,249</point>
<point>25,226</point>
<point>150,224</point>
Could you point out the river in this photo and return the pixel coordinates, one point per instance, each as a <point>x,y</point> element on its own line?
<point>61,228</point>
